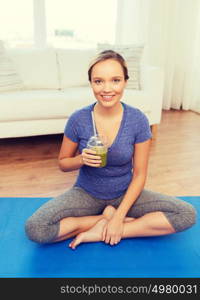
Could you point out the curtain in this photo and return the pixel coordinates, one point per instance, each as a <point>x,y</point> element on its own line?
<point>170,30</point>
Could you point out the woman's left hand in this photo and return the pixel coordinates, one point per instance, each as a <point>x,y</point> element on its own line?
<point>112,232</point>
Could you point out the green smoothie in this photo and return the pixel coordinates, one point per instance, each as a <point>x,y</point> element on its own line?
<point>102,152</point>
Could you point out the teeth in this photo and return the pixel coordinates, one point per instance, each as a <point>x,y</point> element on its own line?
<point>107,97</point>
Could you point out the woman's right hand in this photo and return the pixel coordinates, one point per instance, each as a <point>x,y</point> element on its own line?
<point>89,158</point>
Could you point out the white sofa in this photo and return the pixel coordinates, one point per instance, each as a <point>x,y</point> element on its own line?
<point>55,84</point>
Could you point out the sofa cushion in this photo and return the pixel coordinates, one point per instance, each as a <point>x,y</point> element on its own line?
<point>9,77</point>
<point>36,67</point>
<point>138,99</point>
<point>40,104</point>
<point>73,66</point>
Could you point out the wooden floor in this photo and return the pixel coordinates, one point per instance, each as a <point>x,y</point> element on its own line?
<point>28,166</point>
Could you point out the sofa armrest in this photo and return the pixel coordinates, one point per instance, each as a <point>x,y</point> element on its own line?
<point>152,82</point>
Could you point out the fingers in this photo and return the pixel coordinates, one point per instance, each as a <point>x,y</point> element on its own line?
<point>104,233</point>
<point>112,240</point>
<point>89,151</point>
<point>117,240</point>
<point>90,158</point>
<point>109,239</point>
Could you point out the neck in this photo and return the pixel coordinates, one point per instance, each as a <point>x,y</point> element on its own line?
<point>108,111</point>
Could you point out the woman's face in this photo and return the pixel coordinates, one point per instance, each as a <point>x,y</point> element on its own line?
<point>108,83</point>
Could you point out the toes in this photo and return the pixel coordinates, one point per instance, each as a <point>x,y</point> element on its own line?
<point>75,243</point>
<point>71,245</point>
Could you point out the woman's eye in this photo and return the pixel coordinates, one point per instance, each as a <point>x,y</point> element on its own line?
<point>98,81</point>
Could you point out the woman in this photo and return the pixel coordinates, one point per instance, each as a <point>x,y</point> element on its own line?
<point>109,203</point>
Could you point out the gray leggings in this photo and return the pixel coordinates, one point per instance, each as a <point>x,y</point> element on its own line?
<point>43,225</point>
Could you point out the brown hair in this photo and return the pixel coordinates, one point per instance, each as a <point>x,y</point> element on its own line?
<point>108,54</point>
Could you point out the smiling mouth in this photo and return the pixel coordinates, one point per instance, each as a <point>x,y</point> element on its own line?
<point>107,97</point>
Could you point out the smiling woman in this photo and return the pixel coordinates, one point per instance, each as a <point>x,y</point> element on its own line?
<point>108,76</point>
<point>108,203</point>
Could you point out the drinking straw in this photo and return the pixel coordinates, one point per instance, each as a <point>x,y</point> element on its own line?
<point>93,122</point>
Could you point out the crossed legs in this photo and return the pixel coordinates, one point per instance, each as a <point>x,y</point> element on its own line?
<point>77,214</point>
<point>77,225</point>
<point>151,224</point>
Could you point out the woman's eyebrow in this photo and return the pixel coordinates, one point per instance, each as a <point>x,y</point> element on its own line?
<point>111,77</point>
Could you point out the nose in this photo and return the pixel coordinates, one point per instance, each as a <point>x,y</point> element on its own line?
<point>107,87</point>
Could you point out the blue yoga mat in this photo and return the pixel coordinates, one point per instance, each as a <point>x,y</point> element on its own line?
<point>171,256</point>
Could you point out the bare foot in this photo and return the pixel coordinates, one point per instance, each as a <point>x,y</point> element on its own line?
<point>94,234</point>
<point>109,212</point>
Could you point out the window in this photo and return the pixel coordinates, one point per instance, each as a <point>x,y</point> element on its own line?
<point>57,23</point>
<point>80,23</point>
<point>16,23</point>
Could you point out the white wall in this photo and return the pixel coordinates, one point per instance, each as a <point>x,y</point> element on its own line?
<point>39,23</point>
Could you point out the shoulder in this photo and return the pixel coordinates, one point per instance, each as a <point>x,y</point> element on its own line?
<point>77,122</point>
<point>135,114</point>
<point>80,115</point>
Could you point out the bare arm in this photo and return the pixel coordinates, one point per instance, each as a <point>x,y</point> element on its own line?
<point>140,159</point>
<point>70,159</point>
<point>113,230</point>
